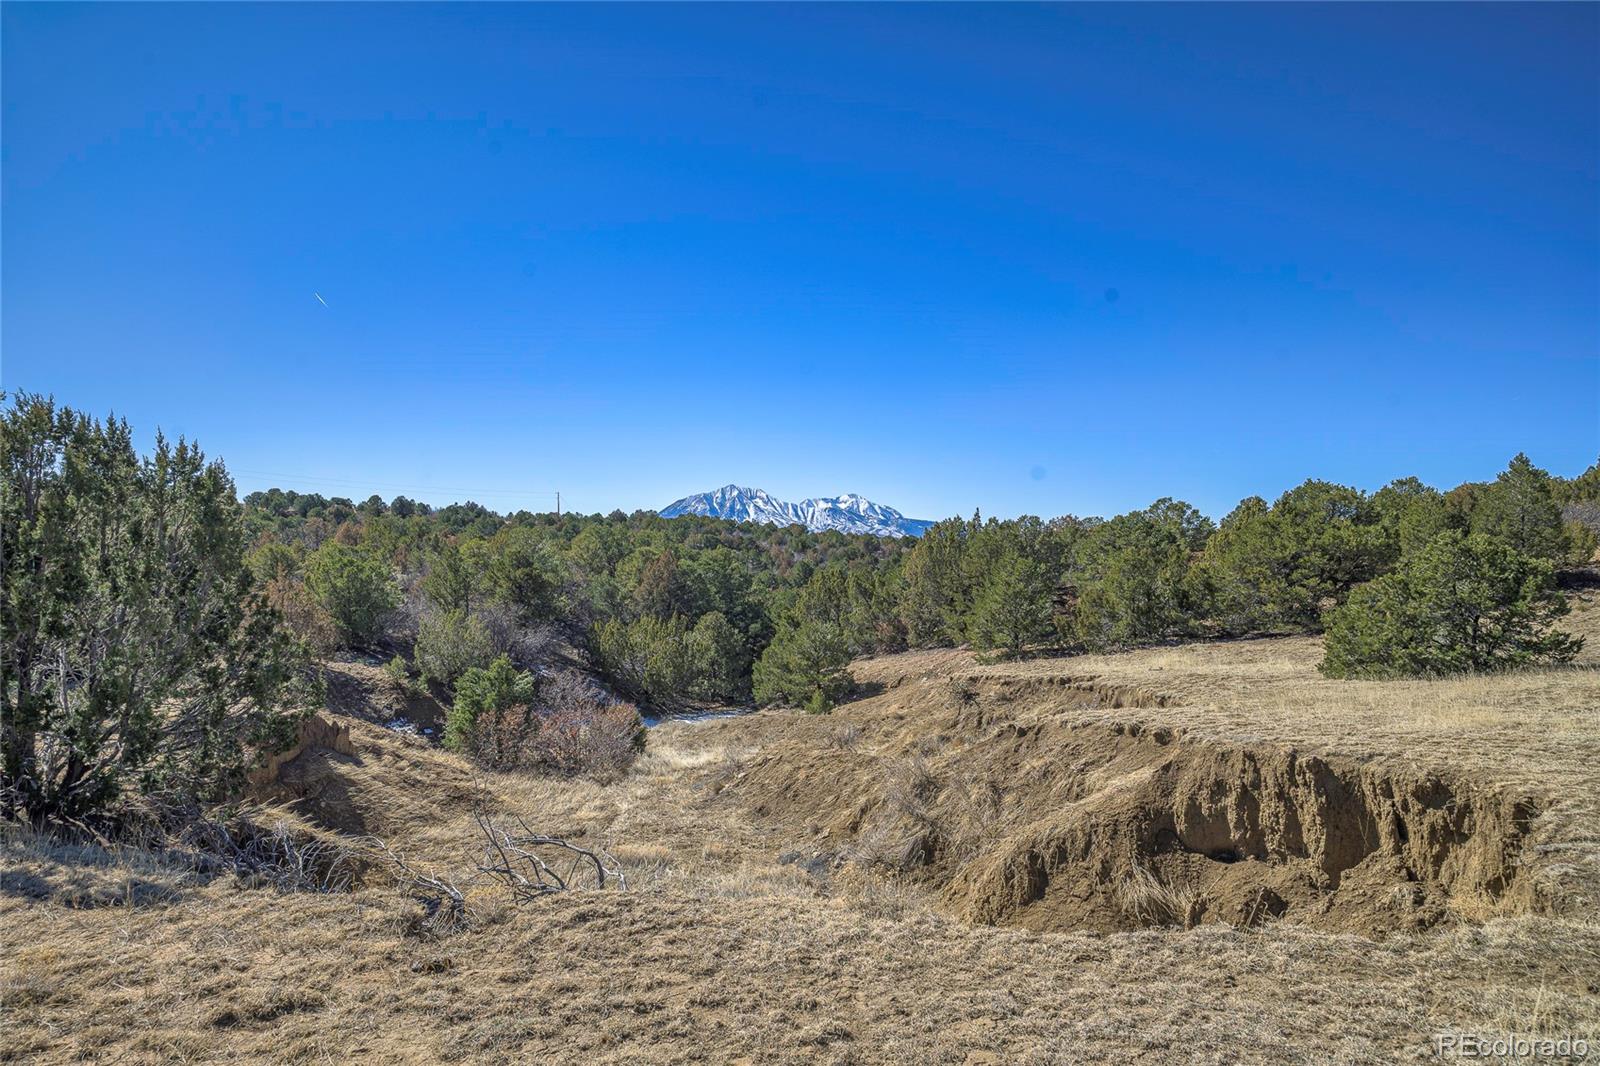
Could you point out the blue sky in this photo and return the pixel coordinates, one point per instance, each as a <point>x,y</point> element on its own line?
<point>1029,259</point>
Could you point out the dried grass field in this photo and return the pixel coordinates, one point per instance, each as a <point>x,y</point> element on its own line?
<point>1196,854</point>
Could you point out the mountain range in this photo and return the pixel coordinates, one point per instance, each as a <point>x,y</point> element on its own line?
<point>848,513</point>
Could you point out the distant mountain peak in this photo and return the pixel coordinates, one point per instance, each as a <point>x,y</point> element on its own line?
<point>850,513</point>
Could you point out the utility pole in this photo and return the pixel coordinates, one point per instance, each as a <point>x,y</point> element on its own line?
<point>558,505</point>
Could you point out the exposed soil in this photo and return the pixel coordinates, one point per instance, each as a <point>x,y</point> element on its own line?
<point>1053,824</point>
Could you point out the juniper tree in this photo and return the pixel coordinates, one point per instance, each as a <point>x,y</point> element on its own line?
<point>136,652</point>
<point>1281,566</point>
<point>1012,610</point>
<point>355,587</point>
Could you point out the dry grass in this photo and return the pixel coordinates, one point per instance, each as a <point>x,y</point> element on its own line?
<point>1154,902</point>
<point>736,943</point>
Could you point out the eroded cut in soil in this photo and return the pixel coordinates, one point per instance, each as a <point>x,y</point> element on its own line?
<point>1212,833</point>
<point>1016,811</point>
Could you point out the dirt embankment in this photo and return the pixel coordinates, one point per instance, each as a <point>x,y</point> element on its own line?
<point>1014,807</point>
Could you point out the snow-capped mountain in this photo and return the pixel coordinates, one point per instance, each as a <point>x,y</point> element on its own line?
<point>848,514</point>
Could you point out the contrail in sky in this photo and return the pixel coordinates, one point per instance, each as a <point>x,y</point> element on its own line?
<point>320,300</point>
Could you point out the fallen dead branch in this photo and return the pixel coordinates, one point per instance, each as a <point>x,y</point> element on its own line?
<point>512,859</point>
<point>528,865</point>
<point>444,902</point>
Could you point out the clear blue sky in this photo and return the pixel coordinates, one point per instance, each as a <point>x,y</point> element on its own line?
<point>1030,259</point>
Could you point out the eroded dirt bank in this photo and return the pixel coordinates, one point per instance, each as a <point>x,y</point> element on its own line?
<point>1015,811</point>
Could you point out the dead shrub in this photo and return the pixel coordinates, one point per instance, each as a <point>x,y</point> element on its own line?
<point>444,901</point>
<point>522,864</point>
<point>972,811</point>
<point>580,732</point>
<point>276,856</point>
<point>303,613</point>
<point>526,645</point>
<point>844,737</point>
<point>960,691</point>
<point>906,834</point>
<point>501,738</point>
<point>910,788</point>
<point>147,835</point>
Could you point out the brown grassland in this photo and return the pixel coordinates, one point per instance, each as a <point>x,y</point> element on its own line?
<point>1204,853</point>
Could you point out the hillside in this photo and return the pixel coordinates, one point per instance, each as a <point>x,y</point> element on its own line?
<point>965,863</point>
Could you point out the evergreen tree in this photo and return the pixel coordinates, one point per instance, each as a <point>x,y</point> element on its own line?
<point>650,659</point>
<point>486,690</point>
<point>1584,487</point>
<point>934,603</point>
<point>1413,514</point>
<point>135,650</point>
<point>355,587</point>
<point>804,666</point>
<point>1283,566</point>
<point>1520,508</point>
<point>1013,608</point>
<point>1464,603</point>
<point>524,571</point>
<point>1131,576</point>
<point>453,580</point>
<point>720,666</point>
<point>662,590</point>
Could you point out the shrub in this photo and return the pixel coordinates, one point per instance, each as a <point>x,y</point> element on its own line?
<point>581,732</point>
<point>503,719</point>
<point>355,587</point>
<point>501,738</point>
<point>650,658</point>
<point>397,676</point>
<point>487,693</point>
<point>1464,603</point>
<point>303,614</point>
<point>449,643</point>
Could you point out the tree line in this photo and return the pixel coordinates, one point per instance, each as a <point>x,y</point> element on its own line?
<point>700,610</point>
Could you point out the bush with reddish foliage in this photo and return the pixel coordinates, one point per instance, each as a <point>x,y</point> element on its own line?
<point>570,728</point>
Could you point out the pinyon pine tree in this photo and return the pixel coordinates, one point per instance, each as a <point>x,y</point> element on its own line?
<point>1520,508</point>
<point>1462,604</point>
